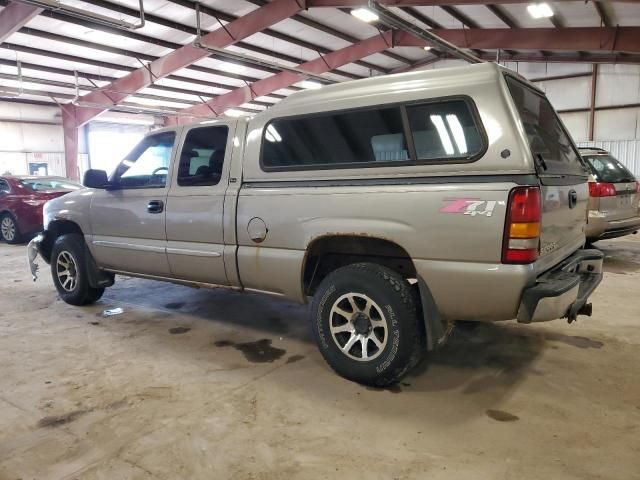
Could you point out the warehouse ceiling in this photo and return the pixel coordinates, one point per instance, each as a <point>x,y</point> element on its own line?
<point>263,51</point>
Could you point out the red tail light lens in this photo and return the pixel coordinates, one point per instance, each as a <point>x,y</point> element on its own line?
<point>637,187</point>
<point>601,189</point>
<point>522,229</point>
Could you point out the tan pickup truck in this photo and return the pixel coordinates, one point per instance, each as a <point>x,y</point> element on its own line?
<point>398,204</point>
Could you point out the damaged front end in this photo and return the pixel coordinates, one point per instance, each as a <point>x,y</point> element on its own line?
<point>33,249</point>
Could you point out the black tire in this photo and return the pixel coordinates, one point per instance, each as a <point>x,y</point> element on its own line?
<point>398,346</point>
<point>69,255</point>
<point>9,229</point>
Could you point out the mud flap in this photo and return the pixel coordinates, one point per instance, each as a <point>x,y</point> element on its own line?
<point>434,328</point>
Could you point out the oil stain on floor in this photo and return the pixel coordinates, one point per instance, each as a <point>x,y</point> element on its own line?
<point>502,416</point>
<point>260,351</point>
<point>57,420</point>
<point>179,330</point>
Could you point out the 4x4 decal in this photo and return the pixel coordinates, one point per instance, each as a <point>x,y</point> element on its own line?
<point>471,206</point>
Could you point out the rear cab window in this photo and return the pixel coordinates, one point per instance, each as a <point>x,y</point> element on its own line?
<point>445,130</point>
<point>607,169</point>
<point>550,144</point>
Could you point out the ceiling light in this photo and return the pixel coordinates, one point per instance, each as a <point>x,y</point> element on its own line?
<point>364,14</point>
<point>540,10</point>
<point>310,84</point>
<point>232,67</point>
<point>427,47</point>
<point>233,113</point>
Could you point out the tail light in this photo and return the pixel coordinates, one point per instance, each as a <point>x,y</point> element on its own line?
<point>637,187</point>
<point>601,189</point>
<point>522,229</point>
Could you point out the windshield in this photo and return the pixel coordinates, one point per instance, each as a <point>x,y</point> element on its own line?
<point>607,169</point>
<point>548,140</point>
<point>49,184</point>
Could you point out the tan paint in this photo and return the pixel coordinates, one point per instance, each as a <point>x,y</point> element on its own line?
<point>459,256</point>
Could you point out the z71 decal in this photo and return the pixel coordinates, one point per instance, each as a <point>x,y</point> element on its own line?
<point>471,206</point>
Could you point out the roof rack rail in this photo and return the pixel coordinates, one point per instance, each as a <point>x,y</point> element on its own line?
<point>597,149</point>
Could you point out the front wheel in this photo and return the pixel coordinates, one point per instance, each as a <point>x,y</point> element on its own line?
<point>366,324</point>
<point>9,229</point>
<point>69,271</point>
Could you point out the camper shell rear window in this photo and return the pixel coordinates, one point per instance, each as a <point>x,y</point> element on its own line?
<point>446,130</point>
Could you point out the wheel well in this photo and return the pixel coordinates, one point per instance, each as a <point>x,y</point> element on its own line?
<point>326,254</point>
<point>54,230</point>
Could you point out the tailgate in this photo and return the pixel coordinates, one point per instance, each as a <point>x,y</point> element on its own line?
<point>563,177</point>
<point>625,203</point>
<point>564,212</point>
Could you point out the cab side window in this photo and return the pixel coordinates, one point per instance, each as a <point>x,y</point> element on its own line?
<point>147,166</point>
<point>4,186</point>
<point>202,156</point>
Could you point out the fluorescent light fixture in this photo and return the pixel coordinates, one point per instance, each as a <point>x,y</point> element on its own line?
<point>427,47</point>
<point>310,84</point>
<point>540,10</point>
<point>364,14</point>
<point>233,113</point>
<point>232,67</point>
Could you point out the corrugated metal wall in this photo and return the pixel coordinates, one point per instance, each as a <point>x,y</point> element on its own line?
<point>627,151</point>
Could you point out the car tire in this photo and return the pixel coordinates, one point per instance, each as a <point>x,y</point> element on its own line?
<point>366,324</point>
<point>69,271</point>
<point>9,229</point>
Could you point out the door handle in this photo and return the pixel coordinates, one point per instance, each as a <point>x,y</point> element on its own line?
<point>155,206</point>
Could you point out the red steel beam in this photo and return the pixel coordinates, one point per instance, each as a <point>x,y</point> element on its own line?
<point>231,33</point>
<point>330,61</point>
<point>14,16</point>
<point>600,39</point>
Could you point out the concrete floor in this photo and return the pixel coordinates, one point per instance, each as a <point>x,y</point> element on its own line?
<point>199,384</point>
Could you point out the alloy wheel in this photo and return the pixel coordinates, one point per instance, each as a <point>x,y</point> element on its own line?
<point>67,271</point>
<point>358,327</point>
<point>8,228</point>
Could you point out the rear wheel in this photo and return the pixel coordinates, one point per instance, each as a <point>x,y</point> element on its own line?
<point>366,324</point>
<point>69,271</point>
<point>9,229</point>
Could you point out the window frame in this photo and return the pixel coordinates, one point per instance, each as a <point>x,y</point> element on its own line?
<point>406,130</point>
<point>183,142</point>
<point>116,185</point>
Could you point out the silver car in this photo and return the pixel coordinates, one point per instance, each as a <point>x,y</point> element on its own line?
<point>396,205</point>
<point>614,197</point>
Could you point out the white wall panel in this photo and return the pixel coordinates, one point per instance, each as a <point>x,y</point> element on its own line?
<point>577,124</point>
<point>568,93</point>
<point>616,124</point>
<point>13,163</point>
<point>618,85</point>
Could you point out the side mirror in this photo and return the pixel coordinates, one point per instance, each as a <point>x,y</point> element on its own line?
<point>95,178</point>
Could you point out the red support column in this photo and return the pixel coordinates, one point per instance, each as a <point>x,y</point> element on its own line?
<point>70,128</point>
<point>592,105</point>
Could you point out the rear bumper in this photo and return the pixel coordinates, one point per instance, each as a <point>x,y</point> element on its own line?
<point>564,290</point>
<point>601,228</point>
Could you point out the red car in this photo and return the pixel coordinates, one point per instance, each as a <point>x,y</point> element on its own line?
<point>21,201</point>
